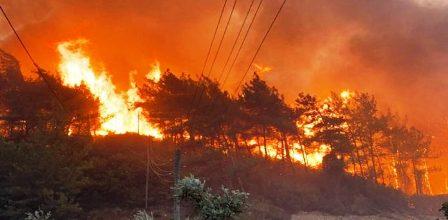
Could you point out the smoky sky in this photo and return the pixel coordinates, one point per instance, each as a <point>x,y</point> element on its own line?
<point>394,49</point>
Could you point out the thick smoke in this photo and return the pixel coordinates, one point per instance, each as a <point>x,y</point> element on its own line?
<point>394,49</point>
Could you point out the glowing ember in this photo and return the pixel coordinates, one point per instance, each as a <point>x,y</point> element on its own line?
<point>117,111</point>
<point>346,95</point>
<point>262,69</point>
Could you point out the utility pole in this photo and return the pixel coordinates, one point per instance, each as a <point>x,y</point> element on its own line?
<point>147,173</point>
<point>147,162</point>
<point>176,175</point>
<point>138,122</point>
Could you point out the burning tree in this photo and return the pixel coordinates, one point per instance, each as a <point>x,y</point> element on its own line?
<point>347,128</point>
<point>267,114</point>
<point>28,108</point>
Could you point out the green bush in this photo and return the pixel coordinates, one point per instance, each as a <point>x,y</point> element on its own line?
<point>208,205</point>
<point>142,215</point>
<point>37,175</point>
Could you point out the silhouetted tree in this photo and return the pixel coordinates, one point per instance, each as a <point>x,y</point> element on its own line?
<point>28,107</point>
<point>265,109</point>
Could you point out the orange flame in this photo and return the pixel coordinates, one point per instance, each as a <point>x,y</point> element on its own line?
<point>155,73</point>
<point>262,69</point>
<point>312,159</point>
<point>117,110</point>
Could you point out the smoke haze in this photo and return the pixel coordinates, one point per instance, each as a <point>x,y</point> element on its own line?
<point>394,49</point>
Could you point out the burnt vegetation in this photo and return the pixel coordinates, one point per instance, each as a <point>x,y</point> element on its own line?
<point>51,159</point>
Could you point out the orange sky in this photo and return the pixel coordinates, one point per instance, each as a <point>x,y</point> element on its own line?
<point>394,49</point>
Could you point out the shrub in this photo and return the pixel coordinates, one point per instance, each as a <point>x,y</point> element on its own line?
<point>38,175</point>
<point>444,209</point>
<point>142,215</point>
<point>37,215</point>
<point>208,205</point>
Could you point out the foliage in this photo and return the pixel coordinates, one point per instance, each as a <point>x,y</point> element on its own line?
<point>208,205</point>
<point>444,209</point>
<point>142,215</point>
<point>259,120</point>
<point>39,174</point>
<point>71,173</point>
<point>37,215</point>
<point>28,107</point>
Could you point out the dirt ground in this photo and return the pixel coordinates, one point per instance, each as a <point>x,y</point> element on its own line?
<point>320,216</point>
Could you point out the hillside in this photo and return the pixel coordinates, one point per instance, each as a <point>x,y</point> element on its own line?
<point>277,189</point>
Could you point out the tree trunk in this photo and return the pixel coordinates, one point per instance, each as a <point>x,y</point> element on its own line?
<point>352,157</point>
<point>235,141</point>
<point>372,158</point>
<point>304,154</point>
<point>286,146</point>
<point>265,143</point>
<point>417,178</point>
<point>147,176</point>
<point>358,157</point>
<point>366,156</point>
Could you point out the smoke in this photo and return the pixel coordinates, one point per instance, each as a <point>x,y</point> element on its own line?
<point>397,50</point>
<point>394,49</point>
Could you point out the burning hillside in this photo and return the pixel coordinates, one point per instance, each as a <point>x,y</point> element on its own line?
<point>314,106</point>
<point>346,125</point>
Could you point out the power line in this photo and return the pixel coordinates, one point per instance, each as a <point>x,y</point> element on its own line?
<point>217,52</point>
<point>209,51</point>
<point>214,36</point>
<point>259,47</point>
<point>222,38</point>
<point>39,70</point>
<point>236,40</point>
<point>242,42</point>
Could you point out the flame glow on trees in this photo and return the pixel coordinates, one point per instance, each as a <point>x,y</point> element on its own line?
<point>117,110</point>
<point>298,152</point>
<point>120,115</point>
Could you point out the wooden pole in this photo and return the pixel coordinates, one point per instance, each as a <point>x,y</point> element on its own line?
<point>176,175</point>
<point>147,175</point>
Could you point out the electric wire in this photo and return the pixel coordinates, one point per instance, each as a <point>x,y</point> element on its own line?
<point>222,38</point>
<point>242,43</point>
<point>39,70</point>
<point>259,47</point>
<point>236,40</point>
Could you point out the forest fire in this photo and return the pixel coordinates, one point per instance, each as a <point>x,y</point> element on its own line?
<point>297,109</point>
<point>117,110</point>
<point>310,159</point>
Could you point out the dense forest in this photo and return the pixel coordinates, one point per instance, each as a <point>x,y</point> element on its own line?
<point>51,159</point>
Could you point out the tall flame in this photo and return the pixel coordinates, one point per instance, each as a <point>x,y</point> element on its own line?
<point>117,110</point>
